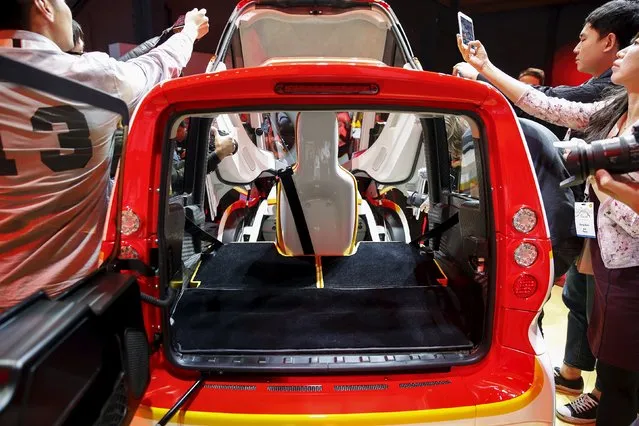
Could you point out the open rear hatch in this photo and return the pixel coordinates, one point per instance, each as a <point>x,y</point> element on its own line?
<point>397,297</point>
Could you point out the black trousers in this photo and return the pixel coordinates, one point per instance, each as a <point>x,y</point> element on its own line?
<point>619,389</point>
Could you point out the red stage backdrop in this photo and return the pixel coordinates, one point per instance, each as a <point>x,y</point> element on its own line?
<point>564,70</point>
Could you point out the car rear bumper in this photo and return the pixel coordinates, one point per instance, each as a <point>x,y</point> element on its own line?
<point>533,407</point>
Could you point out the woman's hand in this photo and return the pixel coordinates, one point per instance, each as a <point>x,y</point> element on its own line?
<point>622,188</point>
<point>474,53</point>
<point>594,185</point>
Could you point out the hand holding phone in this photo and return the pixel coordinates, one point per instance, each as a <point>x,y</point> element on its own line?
<point>473,53</point>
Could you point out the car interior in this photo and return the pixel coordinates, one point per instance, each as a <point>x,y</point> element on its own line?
<point>344,233</point>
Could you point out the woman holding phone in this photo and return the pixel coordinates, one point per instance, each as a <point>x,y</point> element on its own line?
<point>614,326</point>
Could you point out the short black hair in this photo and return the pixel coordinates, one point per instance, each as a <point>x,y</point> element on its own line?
<point>620,17</point>
<point>77,32</point>
<point>15,15</point>
<point>539,74</point>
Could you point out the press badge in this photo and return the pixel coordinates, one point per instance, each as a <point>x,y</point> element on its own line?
<point>585,219</point>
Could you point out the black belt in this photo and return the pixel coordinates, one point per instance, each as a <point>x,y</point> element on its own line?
<point>286,178</point>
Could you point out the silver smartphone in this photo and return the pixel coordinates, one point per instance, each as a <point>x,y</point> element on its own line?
<point>466,28</point>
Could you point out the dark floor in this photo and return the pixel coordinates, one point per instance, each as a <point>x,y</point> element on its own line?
<point>252,299</point>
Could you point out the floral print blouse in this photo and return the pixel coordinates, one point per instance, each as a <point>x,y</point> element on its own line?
<point>617,224</point>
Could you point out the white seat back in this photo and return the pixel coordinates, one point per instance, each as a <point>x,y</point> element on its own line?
<point>392,156</point>
<point>250,161</point>
<point>327,192</point>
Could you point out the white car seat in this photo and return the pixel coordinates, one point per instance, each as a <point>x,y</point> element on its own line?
<point>327,193</point>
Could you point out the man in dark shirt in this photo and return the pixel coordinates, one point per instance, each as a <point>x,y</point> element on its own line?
<point>607,29</point>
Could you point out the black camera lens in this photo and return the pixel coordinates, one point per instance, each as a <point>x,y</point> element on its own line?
<point>617,156</point>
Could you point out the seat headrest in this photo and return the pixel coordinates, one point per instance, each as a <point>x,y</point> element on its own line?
<point>317,139</point>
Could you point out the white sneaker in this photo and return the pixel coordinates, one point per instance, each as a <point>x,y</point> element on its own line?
<point>581,411</point>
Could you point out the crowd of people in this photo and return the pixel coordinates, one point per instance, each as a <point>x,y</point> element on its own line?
<point>602,295</point>
<point>54,242</point>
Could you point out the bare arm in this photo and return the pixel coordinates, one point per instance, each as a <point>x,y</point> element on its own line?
<point>575,115</point>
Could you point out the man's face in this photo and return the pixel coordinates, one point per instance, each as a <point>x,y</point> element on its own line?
<point>591,51</point>
<point>181,134</point>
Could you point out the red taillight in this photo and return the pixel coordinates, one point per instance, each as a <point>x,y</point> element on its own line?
<point>326,89</point>
<point>526,254</point>
<point>130,222</point>
<point>128,252</point>
<point>525,220</point>
<point>525,286</point>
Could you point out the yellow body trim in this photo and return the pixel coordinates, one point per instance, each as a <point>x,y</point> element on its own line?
<point>279,244</point>
<point>318,269</point>
<point>200,418</point>
<point>176,284</point>
<point>441,271</point>
<point>241,190</point>
<point>193,282</point>
<point>351,248</point>
<point>386,190</point>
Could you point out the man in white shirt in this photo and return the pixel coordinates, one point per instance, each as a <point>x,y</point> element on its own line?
<point>55,154</point>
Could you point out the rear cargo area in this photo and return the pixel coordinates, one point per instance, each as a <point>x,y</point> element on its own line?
<point>248,298</point>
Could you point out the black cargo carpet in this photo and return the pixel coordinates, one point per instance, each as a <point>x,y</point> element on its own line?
<point>379,265</point>
<point>311,319</point>
<point>254,265</point>
<point>250,298</point>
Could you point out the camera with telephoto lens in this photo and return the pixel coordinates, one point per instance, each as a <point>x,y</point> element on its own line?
<point>617,156</point>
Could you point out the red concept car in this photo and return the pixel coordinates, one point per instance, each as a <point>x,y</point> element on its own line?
<point>375,252</point>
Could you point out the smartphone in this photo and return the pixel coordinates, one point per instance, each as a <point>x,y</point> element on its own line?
<point>466,28</point>
<point>179,24</point>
